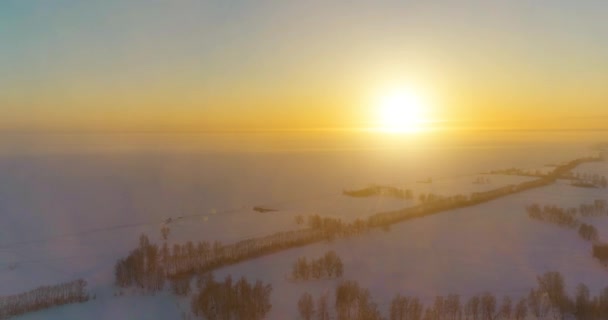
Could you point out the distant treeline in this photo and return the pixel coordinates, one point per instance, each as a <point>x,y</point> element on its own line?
<point>588,180</point>
<point>375,190</point>
<point>482,180</point>
<point>43,298</point>
<point>519,172</point>
<point>144,265</point>
<point>548,300</point>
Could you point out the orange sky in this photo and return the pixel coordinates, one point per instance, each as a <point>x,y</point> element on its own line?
<point>116,66</point>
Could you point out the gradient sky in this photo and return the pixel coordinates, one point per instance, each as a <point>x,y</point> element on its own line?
<point>222,65</point>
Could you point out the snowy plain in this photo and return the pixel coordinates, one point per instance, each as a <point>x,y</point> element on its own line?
<point>68,215</point>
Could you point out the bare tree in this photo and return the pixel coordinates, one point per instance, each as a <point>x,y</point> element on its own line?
<point>521,310</point>
<point>488,306</point>
<point>472,308</point>
<point>306,306</point>
<point>506,309</point>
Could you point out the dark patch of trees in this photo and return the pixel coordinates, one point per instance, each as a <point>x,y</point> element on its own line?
<point>405,308</point>
<point>306,306</point>
<point>551,286</point>
<point>263,209</point>
<point>430,197</point>
<point>351,302</point>
<point>482,180</point>
<point>588,180</point>
<point>231,300</point>
<point>480,307</point>
<point>328,225</point>
<point>328,266</point>
<point>600,252</point>
<point>142,267</point>
<point>548,300</point>
<point>553,214</point>
<point>43,298</point>
<point>588,232</point>
<point>588,307</point>
<point>566,217</point>
<point>385,191</point>
<point>597,208</point>
<point>354,302</point>
<point>521,310</point>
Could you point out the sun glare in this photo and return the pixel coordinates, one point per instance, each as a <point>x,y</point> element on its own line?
<point>402,111</point>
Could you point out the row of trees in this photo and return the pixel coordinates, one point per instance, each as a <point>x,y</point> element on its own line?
<point>482,180</point>
<point>145,265</point>
<point>231,300</point>
<point>430,197</point>
<point>519,172</point>
<point>596,209</point>
<point>43,298</point>
<point>375,190</point>
<point>567,217</point>
<point>548,300</point>
<point>328,266</point>
<point>553,214</point>
<point>432,203</point>
<point>351,302</point>
<point>589,180</point>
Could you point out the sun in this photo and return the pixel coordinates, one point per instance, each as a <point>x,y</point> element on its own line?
<point>402,111</point>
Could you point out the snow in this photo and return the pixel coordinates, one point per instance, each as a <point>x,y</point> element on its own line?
<point>72,215</point>
<point>490,247</point>
<point>161,306</point>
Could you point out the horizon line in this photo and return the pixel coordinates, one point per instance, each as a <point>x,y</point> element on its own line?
<point>285,130</point>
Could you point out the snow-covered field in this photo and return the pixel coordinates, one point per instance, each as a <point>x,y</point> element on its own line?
<point>66,216</point>
<point>493,246</point>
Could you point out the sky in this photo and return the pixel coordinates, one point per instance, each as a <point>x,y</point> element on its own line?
<point>131,65</point>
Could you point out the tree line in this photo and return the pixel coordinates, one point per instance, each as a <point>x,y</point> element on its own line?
<point>588,180</point>
<point>43,298</point>
<point>230,300</point>
<point>566,217</point>
<point>548,300</point>
<point>376,190</point>
<point>328,266</point>
<point>553,214</point>
<point>519,172</point>
<point>145,265</point>
<point>351,302</point>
